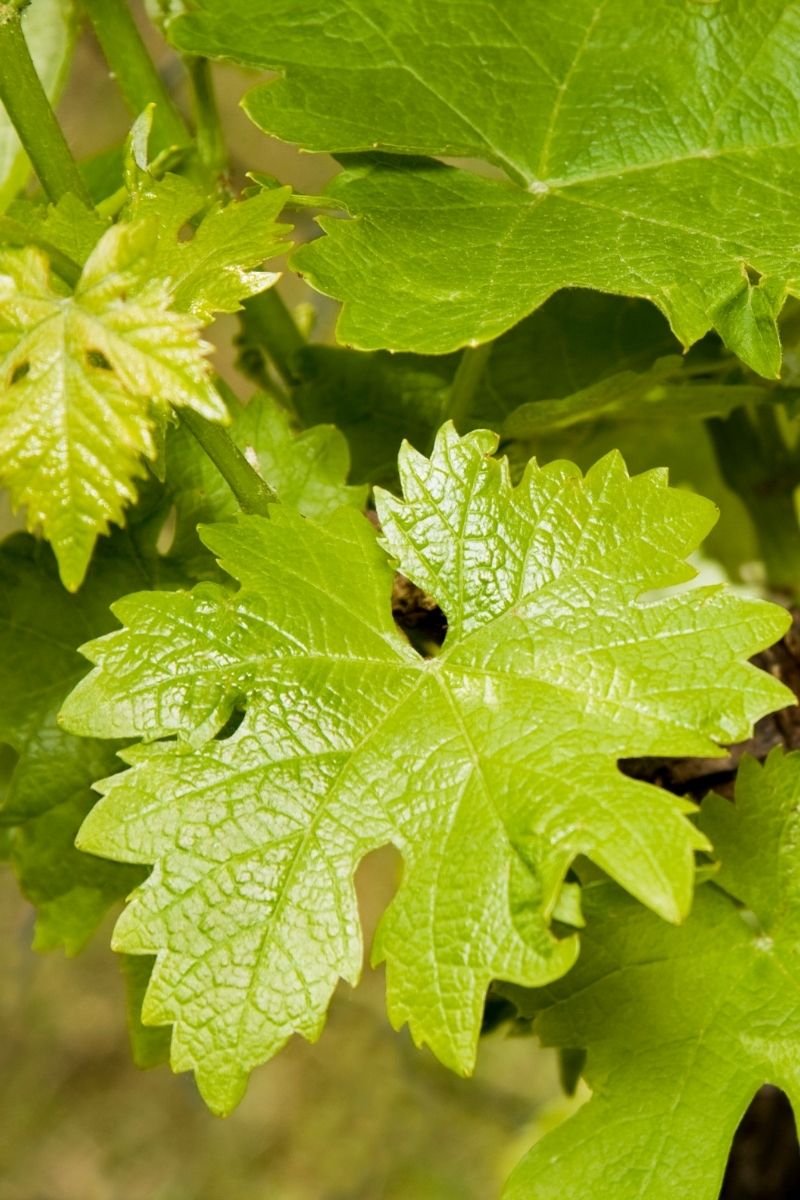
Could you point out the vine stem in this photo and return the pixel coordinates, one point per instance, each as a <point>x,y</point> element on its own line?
<point>210,140</point>
<point>268,321</point>
<point>468,375</point>
<point>135,71</point>
<point>253,494</point>
<point>31,114</point>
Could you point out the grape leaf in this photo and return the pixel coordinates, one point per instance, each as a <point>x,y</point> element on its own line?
<point>490,767</point>
<point>682,1025</point>
<point>650,149</point>
<point>308,471</point>
<point>48,792</point>
<point>376,400</point>
<point>89,376</point>
<point>49,29</point>
<point>213,269</point>
<point>68,226</point>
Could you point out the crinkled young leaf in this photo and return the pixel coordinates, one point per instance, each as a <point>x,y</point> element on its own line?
<point>88,376</point>
<point>69,226</point>
<point>650,149</point>
<point>307,470</point>
<point>490,767</point>
<point>215,268</point>
<point>682,1025</point>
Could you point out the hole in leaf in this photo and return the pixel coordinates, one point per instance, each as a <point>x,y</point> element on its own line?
<point>419,616</point>
<point>754,276</point>
<point>764,1162</point>
<point>19,372</point>
<point>231,725</point>
<point>96,358</point>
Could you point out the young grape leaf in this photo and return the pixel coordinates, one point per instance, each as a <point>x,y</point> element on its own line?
<point>682,1025</point>
<point>89,375</point>
<point>309,732</point>
<point>68,226</point>
<point>215,268</point>
<point>649,148</point>
<point>307,470</point>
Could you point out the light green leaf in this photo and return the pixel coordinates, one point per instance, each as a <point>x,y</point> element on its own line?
<point>88,377</point>
<point>49,29</point>
<point>69,226</point>
<point>665,393</point>
<point>211,266</point>
<point>309,733</point>
<point>649,149</point>
<point>682,1025</point>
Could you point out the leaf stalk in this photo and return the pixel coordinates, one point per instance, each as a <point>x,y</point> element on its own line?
<point>253,494</point>
<point>135,71</point>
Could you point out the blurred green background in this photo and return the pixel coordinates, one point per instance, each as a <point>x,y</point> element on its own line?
<point>360,1116</point>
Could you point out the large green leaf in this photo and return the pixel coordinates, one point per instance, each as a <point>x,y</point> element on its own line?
<point>88,376</point>
<point>682,1025</point>
<point>650,149</point>
<point>490,767</point>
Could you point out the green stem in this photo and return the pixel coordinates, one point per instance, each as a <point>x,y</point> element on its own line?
<point>26,103</point>
<point>134,70</point>
<point>267,322</point>
<point>210,139</point>
<point>465,382</point>
<point>252,493</point>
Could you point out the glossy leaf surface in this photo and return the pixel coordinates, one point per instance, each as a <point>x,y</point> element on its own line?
<point>309,732</point>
